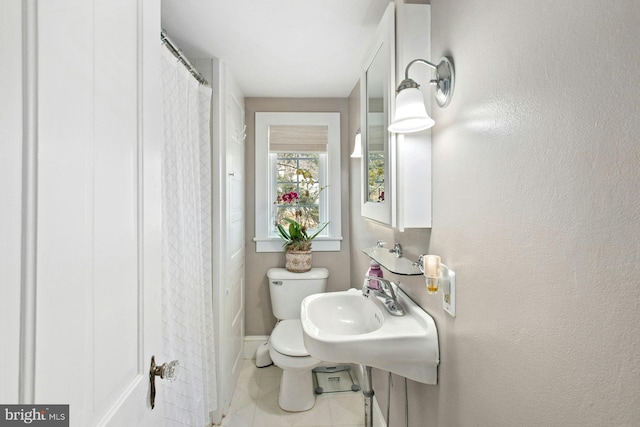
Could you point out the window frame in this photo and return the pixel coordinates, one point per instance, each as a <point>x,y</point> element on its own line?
<point>264,179</point>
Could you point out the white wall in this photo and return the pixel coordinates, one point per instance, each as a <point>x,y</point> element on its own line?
<point>536,180</point>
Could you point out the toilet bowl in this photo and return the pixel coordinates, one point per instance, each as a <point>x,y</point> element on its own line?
<point>287,350</point>
<point>288,353</point>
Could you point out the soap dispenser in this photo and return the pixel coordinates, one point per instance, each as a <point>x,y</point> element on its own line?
<point>374,271</point>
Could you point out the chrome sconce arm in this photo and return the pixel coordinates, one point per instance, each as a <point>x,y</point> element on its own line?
<point>443,81</point>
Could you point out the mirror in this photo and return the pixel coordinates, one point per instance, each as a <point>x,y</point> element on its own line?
<point>375,141</point>
<point>377,92</point>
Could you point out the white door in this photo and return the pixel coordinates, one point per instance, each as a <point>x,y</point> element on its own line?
<point>228,228</point>
<point>235,220</point>
<point>10,197</point>
<point>90,208</point>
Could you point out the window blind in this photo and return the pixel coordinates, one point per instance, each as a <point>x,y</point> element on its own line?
<point>301,139</point>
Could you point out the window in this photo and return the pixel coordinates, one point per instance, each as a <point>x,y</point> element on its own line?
<point>298,152</point>
<point>297,173</point>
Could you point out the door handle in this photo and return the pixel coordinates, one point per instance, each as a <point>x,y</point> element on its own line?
<point>166,371</point>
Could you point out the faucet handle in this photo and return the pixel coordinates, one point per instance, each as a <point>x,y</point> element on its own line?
<point>397,249</point>
<point>386,291</point>
<point>384,284</point>
<point>380,244</point>
<point>419,263</point>
<point>389,285</point>
<point>376,278</point>
<point>394,307</point>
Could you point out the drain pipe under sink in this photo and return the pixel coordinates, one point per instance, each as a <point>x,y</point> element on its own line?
<point>368,393</point>
<point>406,400</point>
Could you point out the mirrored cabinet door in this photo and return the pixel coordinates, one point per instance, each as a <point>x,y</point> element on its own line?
<point>396,169</point>
<point>375,132</point>
<point>377,92</point>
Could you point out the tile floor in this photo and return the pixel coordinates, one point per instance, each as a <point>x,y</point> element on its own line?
<point>255,404</point>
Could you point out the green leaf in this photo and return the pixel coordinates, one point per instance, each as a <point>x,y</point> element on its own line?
<point>295,230</point>
<point>318,232</point>
<point>283,233</point>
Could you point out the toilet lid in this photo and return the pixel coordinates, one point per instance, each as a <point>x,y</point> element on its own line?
<point>287,339</point>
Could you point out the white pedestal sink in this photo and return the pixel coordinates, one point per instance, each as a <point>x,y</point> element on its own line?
<point>346,327</point>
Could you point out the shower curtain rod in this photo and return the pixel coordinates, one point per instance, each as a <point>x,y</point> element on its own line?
<point>183,59</point>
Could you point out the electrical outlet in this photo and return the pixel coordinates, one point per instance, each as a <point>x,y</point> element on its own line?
<point>449,300</point>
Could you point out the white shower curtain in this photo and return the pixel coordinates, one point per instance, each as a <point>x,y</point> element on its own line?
<point>187,316</point>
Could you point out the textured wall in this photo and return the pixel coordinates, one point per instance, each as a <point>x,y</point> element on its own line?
<point>536,180</point>
<point>259,319</point>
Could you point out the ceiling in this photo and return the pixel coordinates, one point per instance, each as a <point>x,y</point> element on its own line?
<point>279,48</point>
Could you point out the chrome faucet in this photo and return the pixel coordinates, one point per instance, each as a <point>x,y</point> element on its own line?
<point>385,291</point>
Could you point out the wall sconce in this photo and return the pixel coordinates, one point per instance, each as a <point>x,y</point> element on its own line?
<point>410,113</point>
<point>357,149</point>
<point>439,276</point>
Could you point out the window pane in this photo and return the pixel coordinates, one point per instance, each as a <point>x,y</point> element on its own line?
<point>306,209</point>
<point>286,187</point>
<point>287,169</point>
<point>311,213</point>
<point>311,165</point>
<point>285,212</point>
<point>313,217</point>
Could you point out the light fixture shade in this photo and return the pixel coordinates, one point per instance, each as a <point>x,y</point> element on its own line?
<point>357,149</point>
<point>411,114</point>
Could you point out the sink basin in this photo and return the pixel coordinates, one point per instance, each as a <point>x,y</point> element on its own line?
<point>343,314</point>
<point>346,327</point>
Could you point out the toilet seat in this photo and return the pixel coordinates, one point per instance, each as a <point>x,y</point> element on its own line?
<point>293,363</point>
<point>287,338</point>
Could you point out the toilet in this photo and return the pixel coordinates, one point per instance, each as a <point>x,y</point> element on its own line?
<point>287,349</point>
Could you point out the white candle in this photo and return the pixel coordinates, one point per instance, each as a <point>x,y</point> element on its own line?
<point>432,266</point>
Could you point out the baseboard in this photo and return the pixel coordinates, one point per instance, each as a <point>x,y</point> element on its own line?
<point>251,344</point>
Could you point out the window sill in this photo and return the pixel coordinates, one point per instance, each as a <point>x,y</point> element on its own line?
<point>320,244</point>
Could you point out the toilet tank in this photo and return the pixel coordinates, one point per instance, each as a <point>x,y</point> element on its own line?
<point>288,289</point>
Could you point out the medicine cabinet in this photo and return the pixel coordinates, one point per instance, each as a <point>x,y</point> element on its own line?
<point>395,169</point>
<point>375,105</point>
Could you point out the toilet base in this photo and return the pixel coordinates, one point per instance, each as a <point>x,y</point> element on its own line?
<point>296,391</point>
<point>296,385</point>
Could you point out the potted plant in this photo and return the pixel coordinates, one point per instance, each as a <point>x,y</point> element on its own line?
<point>295,225</point>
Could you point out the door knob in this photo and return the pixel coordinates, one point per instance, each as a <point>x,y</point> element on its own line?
<point>166,371</point>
